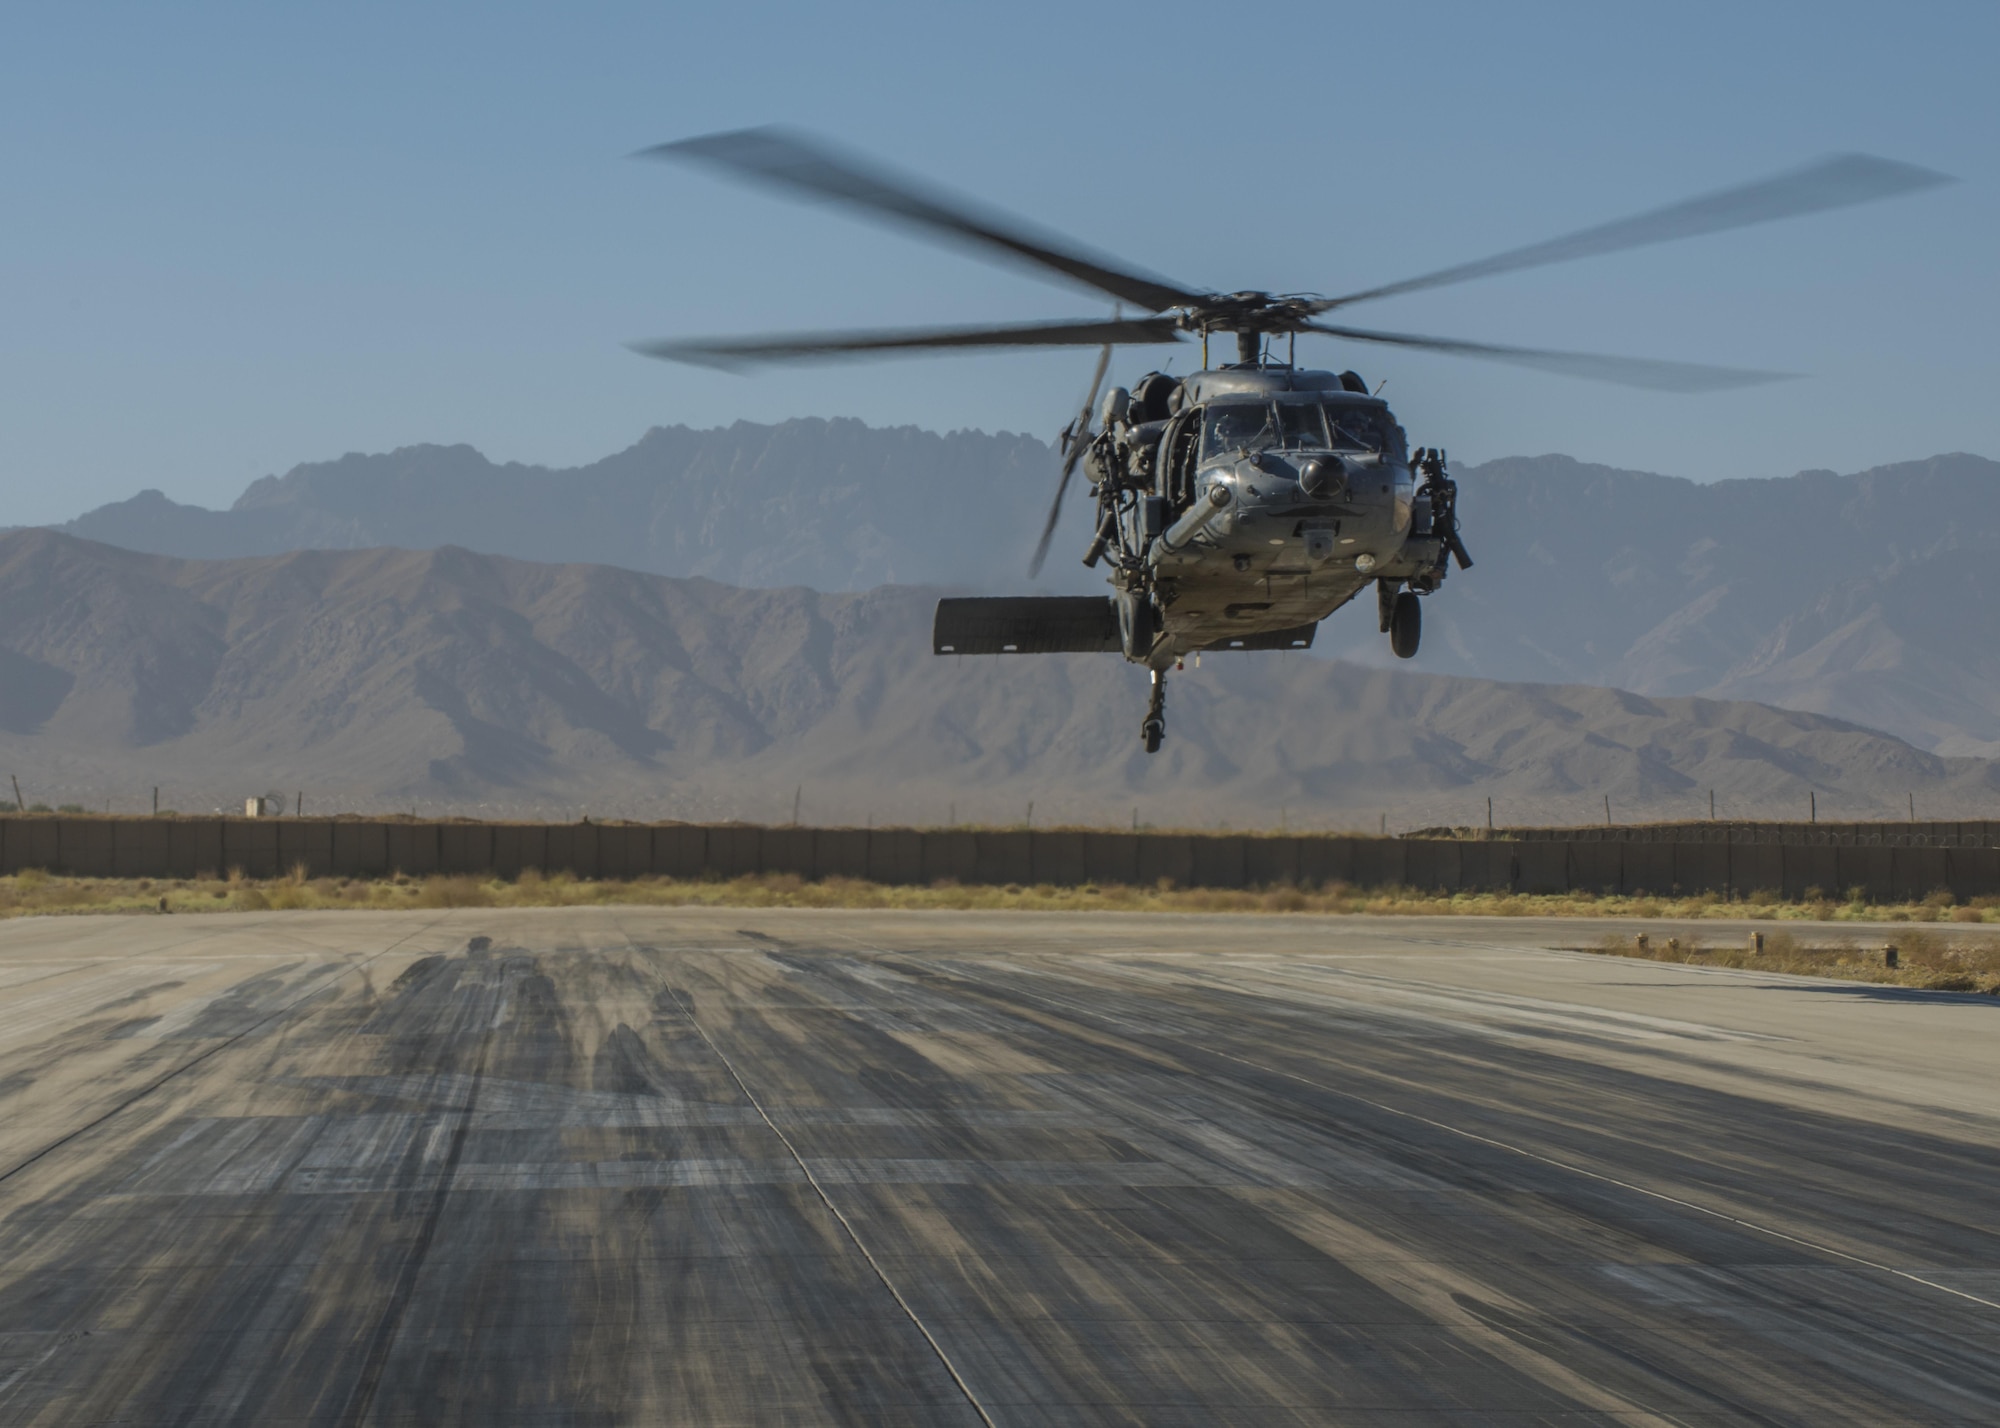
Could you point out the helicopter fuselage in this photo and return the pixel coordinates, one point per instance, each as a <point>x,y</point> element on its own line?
<point>1269,497</point>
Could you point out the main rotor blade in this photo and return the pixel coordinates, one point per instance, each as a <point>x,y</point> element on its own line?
<point>1645,372</point>
<point>1070,458</point>
<point>809,346</point>
<point>1836,182</point>
<point>786,160</point>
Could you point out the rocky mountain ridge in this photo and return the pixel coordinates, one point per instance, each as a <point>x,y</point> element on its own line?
<point>834,505</point>
<point>1868,597</point>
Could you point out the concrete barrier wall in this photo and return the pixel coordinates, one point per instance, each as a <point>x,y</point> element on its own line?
<point>1911,863</point>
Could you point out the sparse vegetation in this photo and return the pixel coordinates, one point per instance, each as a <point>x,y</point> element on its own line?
<point>1923,959</point>
<point>1927,960</point>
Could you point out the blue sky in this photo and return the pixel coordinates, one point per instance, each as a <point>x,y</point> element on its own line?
<point>238,237</point>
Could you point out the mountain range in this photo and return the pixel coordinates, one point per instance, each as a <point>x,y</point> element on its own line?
<point>1870,597</point>
<point>452,681</point>
<point>834,505</point>
<point>1867,597</point>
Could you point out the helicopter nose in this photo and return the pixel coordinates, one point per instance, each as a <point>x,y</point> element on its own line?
<point>1323,477</point>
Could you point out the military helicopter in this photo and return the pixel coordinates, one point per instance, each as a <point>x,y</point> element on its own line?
<point>1239,506</point>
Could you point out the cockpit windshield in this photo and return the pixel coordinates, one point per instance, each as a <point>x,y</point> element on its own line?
<point>1237,427</point>
<point>1250,427</point>
<point>1301,426</point>
<point>1356,428</point>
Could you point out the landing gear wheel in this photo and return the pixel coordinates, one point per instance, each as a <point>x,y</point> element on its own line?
<point>1406,625</point>
<point>1155,728</point>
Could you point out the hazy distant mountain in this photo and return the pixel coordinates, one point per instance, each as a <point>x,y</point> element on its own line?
<point>374,678</point>
<point>834,505</point>
<point>1868,597</point>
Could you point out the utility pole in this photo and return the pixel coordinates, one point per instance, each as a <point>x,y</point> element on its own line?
<point>1607,810</point>
<point>1812,804</point>
<point>20,803</point>
<point>1711,805</point>
<point>797,794</point>
<point>1913,808</point>
<point>156,800</point>
<point>1489,817</point>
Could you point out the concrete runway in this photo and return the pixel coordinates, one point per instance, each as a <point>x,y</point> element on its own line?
<point>708,1167</point>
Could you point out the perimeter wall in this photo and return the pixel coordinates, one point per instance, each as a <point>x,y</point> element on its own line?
<point>1890,861</point>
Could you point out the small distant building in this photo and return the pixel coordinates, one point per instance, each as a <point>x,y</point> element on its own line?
<point>263,807</point>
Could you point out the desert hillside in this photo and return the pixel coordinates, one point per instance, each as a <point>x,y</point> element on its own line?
<point>449,680</point>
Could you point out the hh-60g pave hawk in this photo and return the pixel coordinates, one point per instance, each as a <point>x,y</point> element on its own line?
<point>1239,506</point>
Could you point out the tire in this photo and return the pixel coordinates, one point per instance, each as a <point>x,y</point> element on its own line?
<point>1406,625</point>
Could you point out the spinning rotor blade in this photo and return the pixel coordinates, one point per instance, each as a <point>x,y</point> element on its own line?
<point>791,161</point>
<point>1646,372</point>
<point>1836,182</point>
<point>1078,441</point>
<point>807,346</point>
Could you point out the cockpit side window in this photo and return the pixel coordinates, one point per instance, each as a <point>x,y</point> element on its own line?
<point>1177,460</point>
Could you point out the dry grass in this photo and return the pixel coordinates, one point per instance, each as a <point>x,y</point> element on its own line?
<point>34,892</point>
<point>1928,957</point>
<point>1925,958</point>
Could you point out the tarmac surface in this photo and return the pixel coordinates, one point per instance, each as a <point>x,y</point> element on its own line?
<point>727,1166</point>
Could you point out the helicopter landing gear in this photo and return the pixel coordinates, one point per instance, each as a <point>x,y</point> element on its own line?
<point>1406,625</point>
<point>1385,601</point>
<point>1155,727</point>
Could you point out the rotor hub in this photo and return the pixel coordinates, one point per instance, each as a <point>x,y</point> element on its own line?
<point>1251,312</point>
